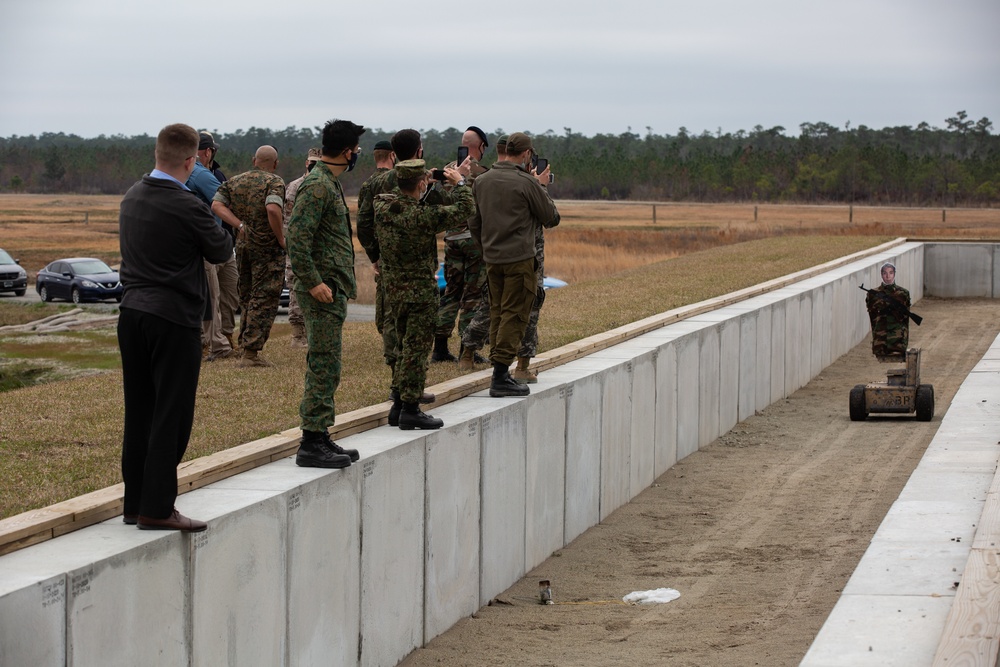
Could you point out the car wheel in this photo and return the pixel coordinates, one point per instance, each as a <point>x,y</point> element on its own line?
<point>20,292</point>
<point>43,292</point>
<point>76,295</point>
<point>858,409</point>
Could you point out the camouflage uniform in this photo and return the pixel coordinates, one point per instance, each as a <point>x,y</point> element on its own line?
<point>294,312</point>
<point>260,258</point>
<point>322,251</point>
<point>890,328</point>
<point>406,233</point>
<point>464,273</point>
<point>381,182</point>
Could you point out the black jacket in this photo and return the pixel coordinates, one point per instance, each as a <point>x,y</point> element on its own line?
<point>165,232</point>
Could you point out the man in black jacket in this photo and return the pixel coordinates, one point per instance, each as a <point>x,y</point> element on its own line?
<point>165,233</point>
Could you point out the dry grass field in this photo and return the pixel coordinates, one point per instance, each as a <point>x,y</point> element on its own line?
<point>54,446</point>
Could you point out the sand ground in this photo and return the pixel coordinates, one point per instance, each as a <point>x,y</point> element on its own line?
<point>759,531</point>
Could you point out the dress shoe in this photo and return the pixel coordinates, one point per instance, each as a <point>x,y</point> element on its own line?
<point>130,519</point>
<point>221,354</point>
<point>313,453</point>
<point>337,449</point>
<point>176,521</point>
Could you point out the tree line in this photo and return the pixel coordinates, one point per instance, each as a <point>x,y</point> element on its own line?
<point>958,165</point>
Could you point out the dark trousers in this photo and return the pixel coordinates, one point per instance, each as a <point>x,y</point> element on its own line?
<point>160,365</point>
<point>512,293</point>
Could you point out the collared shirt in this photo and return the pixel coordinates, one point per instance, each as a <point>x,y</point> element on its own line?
<point>203,183</point>
<point>162,175</point>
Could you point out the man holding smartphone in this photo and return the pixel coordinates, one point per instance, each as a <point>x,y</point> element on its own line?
<point>464,271</point>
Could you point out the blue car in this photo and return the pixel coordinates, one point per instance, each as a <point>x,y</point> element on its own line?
<point>78,279</point>
<point>547,282</point>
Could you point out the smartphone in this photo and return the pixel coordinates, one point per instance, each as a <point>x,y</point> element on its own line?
<point>437,174</point>
<point>534,161</point>
<point>540,164</point>
<point>463,152</point>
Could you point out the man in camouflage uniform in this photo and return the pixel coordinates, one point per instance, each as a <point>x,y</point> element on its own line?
<point>322,251</point>
<point>253,202</point>
<point>464,270</point>
<point>385,158</point>
<point>890,323</point>
<point>294,312</point>
<point>405,145</point>
<point>406,231</point>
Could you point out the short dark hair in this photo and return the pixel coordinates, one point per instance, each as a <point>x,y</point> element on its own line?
<point>408,184</point>
<point>175,144</point>
<point>406,144</point>
<point>339,135</point>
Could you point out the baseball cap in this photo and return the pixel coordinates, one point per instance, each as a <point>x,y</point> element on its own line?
<point>518,143</point>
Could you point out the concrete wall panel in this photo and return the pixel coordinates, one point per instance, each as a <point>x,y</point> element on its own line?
<point>729,374</point>
<point>392,524</point>
<point>583,456</point>
<point>503,493</point>
<point>688,374</point>
<point>451,525</point>
<point>708,386</point>
<point>955,270</point>
<point>642,457</point>
<point>616,422</point>
<point>236,564</point>
<point>793,343</point>
<point>665,439</point>
<point>32,619</point>
<point>748,365</point>
<point>778,344</point>
<point>763,366</point>
<point>545,500</point>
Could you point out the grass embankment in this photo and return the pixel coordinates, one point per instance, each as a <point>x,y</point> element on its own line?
<point>62,439</point>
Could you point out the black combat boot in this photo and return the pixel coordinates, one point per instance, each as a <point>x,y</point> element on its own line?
<point>397,406</point>
<point>413,417</point>
<point>313,453</point>
<point>337,449</point>
<point>441,352</point>
<point>504,385</point>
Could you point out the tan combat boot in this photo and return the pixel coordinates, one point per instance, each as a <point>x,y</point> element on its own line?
<point>253,358</point>
<point>299,335</point>
<point>232,343</point>
<point>466,362</point>
<point>522,373</point>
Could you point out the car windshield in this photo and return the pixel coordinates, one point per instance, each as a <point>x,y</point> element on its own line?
<point>90,267</point>
<point>5,258</point>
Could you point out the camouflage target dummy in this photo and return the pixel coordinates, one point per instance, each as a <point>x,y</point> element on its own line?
<point>889,317</point>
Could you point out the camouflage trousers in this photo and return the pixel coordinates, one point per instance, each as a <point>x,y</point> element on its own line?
<point>385,323</point>
<point>261,273</point>
<point>324,323</point>
<point>414,327</point>
<point>294,312</point>
<point>478,331</point>
<point>890,339</point>
<point>465,275</point>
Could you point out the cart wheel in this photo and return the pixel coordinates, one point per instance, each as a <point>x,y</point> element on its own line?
<point>859,412</point>
<point>925,402</point>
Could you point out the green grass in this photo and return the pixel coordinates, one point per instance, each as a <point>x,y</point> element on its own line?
<point>62,439</point>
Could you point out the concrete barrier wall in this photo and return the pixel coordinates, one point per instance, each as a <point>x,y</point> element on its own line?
<point>361,566</point>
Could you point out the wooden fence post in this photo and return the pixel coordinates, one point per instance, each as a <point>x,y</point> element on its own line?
<point>850,214</point>
<point>654,214</point>
<point>755,214</point>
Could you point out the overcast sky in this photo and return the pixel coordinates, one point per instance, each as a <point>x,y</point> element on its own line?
<point>130,67</point>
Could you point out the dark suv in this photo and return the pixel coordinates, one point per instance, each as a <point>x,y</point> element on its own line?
<point>12,277</point>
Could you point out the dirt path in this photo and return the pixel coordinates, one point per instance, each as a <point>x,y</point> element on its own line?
<point>759,531</point>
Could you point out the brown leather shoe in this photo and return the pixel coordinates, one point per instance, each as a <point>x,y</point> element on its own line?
<point>176,521</point>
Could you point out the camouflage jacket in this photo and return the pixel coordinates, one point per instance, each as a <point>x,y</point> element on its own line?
<point>378,183</point>
<point>406,232</point>
<point>319,240</point>
<point>883,314</point>
<point>247,196</point>
<point>290,191</point>
<point>462,231</point>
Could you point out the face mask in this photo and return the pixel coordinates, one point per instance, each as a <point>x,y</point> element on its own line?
<point>353,161</point>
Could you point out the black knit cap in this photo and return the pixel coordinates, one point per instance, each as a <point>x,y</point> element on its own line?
<point>480,134</point>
